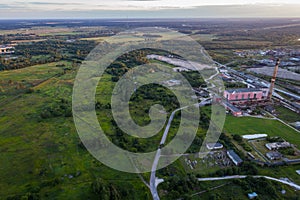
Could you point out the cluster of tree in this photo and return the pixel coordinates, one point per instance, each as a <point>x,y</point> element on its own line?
<point>196,144</point>
<point>274,139</point>
<point>234,85</point>
<point>204,120</point>
<point>240,141</point>
<point>227,172</point>
<point>125,62</point>
<point>32,193</point>
<point>22,62</point>
<point>287,151</point>
<point>156,94</point>
<point>246,168</point>
<point>263,187</point>
<point>177,186</point>
<point>57,109</point>
<point>127,142</point>
<point>105,190</point>
<point>226,141</point>
<point>249,168</point>
<point>194,78</point>
<point>47,51</point>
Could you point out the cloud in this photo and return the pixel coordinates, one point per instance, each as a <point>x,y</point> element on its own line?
<point>63,9</point>
<point>52,3</point>
<point>143,0</point>
<point>5,6</point>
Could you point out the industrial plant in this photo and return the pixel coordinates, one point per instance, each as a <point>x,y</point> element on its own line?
<point>257,93</point>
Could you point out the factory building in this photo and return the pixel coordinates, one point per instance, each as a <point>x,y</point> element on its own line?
<point>243,95</point>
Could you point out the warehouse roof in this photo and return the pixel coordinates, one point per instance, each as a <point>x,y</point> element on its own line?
<point>242,90</point>
<point>234,156</point>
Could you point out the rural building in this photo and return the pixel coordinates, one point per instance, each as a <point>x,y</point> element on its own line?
<point>277,145</point>
<point>250,155</point>
<point>214,146</point>
<point>234,157</point>
<point>270,109</point>
<point>180,69</point>
<point>201,92</point>
<point>254,136</point>
<point>243,94</point>
<point>274,155</point>
<point>6,49</point>
<point>234,110</point>
<point>172,82</point>
<point>252,195</point>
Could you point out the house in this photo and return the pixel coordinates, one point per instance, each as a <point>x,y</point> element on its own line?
<point>214,146</point>
<point>252,195</point>
<point>234,157</point>
<point>243,94</point>
<point>277,145</point>
<point>274,155</point>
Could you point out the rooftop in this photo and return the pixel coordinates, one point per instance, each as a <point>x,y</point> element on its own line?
<point>252,195</point>
<point>5,46</point>
<point>254,136</point>
<point>242,90</point>
<point>274,154</point>
<point>234,156</point>
<point>214,145</point>
<point>232,107</point>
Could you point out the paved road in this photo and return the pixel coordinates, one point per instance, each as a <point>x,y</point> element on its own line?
<point>294,185</point>
<point>153,180</point>
<point>153,185</point>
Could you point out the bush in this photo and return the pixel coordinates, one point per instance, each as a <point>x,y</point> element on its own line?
<point>237,138</point>
<point>57,109</point>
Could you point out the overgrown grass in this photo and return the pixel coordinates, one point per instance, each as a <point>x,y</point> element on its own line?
<point>43,156</point>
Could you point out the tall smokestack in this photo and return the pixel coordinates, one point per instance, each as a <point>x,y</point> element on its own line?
<point>272,85</point>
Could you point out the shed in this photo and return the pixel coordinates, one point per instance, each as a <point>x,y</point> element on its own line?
<point>212,146</point>
<point>252,195</point>
<point>234,157</point>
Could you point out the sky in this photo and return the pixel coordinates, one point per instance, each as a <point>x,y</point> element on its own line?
<point>21,9</point>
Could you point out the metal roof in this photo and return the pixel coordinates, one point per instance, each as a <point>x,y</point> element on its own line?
<point>232,107</point>
<point>273,154</point>
<point>242,90</point>
<point>214,145</point>
<point>234,156</point>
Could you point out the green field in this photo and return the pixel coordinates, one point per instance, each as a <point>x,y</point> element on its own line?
<point>42,156</point>
<point>286,114</point>
<point>249,125</point>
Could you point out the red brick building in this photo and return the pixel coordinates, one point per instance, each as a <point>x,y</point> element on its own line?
<point>243,95</point>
